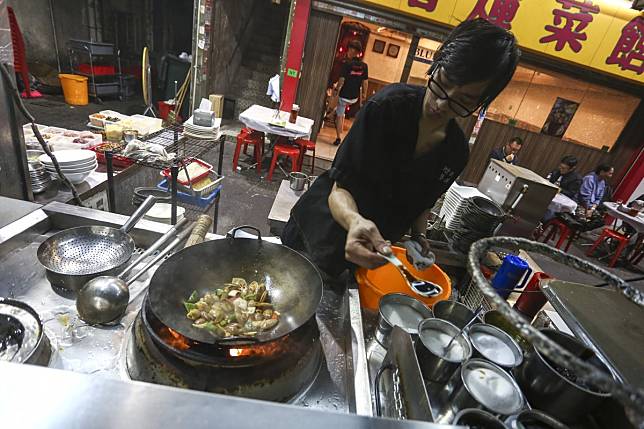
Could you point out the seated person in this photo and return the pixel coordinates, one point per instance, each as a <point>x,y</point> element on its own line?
<point>593,190</point>
<point>566,177</point>
<point>508,153</point>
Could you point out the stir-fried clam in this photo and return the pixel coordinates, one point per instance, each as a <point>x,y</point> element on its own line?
<point>237,309</point>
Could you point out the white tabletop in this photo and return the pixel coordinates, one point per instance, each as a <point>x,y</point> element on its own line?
<point>637,222</point>
<point>262,119</point>
<point>562,204</point>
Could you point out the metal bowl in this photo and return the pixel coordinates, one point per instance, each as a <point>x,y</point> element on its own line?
<point>398,309</point>
<point>496,318</point>
<point>532,417</point>
<point>483,385</point>
<point>454,312</point>
<point>434,334</point>
<point>491,343</point>
<point>473,417</point>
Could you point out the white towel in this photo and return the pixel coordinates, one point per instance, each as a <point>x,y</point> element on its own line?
<point>274,88</point>
<point>414,254</point>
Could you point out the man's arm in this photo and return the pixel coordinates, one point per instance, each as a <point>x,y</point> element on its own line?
<point>363,237</point>
<point>340,84</point>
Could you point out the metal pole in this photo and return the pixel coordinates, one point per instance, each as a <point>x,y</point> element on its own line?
<point>53,29</point>
<point>410,59</point>
<point>111,199</point>
<point>222,141</point>
<point>174,173</point>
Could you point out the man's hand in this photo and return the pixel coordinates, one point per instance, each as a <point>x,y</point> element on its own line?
<point>363,242</point>
<point>510,157</point>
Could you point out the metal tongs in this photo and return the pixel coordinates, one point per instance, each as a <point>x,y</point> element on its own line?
<point>421,287</point>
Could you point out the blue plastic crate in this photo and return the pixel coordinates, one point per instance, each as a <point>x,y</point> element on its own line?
<point>191,199</point>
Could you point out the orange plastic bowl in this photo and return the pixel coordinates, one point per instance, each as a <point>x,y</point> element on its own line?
<point>374,284</point>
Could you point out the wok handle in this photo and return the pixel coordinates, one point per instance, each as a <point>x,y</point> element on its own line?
<point>138,214</point>
<point>233,233</point>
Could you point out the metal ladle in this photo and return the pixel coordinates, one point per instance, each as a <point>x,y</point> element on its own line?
<point>421,287</point>
<point>476,316</point>
<point>104,299</point>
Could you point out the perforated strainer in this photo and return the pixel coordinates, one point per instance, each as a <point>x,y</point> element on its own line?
<point>74,256</point>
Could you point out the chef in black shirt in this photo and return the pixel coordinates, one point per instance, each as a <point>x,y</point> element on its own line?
<point>566,176</point>
<point>351,85</point>
<point>402,153</point>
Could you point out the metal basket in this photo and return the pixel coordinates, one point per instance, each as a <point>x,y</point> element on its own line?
<point>472,297</point>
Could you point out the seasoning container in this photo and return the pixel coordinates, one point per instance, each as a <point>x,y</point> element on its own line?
<point>295,110</point>
<point>453,312</point>
<point>483,385</point>
<point>476,418</point>
<point>491,343</point>
<point>436,363</point>
<point>558,391</point>
<point>404,311</point>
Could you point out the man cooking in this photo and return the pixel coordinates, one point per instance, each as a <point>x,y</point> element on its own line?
<point>508,153</point>
<point>402,153</point>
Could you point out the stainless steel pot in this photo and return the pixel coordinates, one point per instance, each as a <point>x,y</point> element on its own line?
<point>398,309</point>
<point>22,337</point>
<point>483,385</point>
<point>453,312</point>
<point>473,417</point>
<point>491,343</point>
<point>496,318</point>
<point>547,389</point>
<point>298,180</point>
<point>435,364</point>
<point>530,418</point>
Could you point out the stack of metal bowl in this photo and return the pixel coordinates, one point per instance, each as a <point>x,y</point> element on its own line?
<point>39,176</point>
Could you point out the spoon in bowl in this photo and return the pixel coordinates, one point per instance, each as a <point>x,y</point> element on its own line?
<point>421,287</point>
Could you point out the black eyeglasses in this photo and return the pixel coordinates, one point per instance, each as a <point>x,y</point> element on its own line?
<point>458,108</point>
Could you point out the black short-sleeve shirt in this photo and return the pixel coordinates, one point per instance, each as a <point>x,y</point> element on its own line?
<point>376,165</point>
<point>354,73</point>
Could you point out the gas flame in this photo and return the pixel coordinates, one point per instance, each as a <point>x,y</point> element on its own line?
<point>174,339</point>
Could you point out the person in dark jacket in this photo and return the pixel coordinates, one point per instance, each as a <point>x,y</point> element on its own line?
<point>402,153</point>
<point>566,176</point>
<point>508,153</point>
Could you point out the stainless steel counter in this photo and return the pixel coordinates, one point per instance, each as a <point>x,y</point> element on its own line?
<point>45,398</point>
<point>11,210</point>
<point>66,398</point>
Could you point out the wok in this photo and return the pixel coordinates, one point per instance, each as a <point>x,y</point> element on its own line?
<point>293,282</point>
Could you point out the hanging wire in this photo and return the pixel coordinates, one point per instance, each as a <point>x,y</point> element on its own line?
<point>13,89</point>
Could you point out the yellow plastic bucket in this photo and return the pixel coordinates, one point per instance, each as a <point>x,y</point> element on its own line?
<point>74,89</point>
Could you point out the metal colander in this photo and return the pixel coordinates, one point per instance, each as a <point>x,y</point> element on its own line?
<point>86,250</point>
<point>76,255</point>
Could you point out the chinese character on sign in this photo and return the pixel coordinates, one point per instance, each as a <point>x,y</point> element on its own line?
<point>569,24</point>
<point>428,5</point>
<point>501,13</point>
<point>629,50</point>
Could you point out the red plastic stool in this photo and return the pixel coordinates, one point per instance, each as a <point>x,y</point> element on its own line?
<point>610,234</point>
<point>256,139</point>
<point>557,226</point>
<point>305,146</point>
<point>288,150</point>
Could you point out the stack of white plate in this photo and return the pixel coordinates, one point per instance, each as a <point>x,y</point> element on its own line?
<point>199,132</point>
<point>162,213</point>
<point>76,164</point>
<point>39,177</point>
<point>454,202</point>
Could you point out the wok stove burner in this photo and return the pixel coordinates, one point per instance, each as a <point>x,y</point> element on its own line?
<point>22,336</point>
<point>281,370</point>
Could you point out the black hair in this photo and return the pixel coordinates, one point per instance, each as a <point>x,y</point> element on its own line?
<point>475,51</point>
<point>355,44</point>
<point>517,140</point>
<point>569,160</point>
<point>603,167</point>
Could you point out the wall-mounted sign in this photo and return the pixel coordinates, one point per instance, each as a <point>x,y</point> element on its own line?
<point>424,55</point>
<point>605,35</point>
